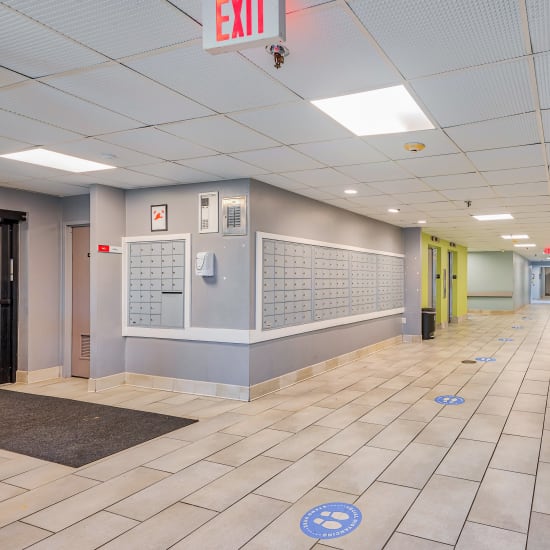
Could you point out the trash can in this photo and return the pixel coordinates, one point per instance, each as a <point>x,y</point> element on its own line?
<point>428,323</point>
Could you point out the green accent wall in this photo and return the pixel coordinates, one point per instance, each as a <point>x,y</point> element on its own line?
<point>460,284</point>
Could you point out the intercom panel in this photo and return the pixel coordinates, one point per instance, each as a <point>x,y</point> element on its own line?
<point>208,212</point>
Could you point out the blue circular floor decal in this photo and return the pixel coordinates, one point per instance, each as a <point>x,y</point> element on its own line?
<point>331,520</point>
<point>505,339</point>
<point>485,359</point>
<point>449,400</point>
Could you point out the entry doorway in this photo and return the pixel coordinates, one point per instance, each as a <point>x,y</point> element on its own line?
<point>80,328</point>
<point>9,292</point>
<point>451,285</point>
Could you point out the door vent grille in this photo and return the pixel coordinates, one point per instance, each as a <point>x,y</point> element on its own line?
<point>84,346</point>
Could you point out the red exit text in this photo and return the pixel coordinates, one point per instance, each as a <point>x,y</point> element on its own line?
<point>238,18</point>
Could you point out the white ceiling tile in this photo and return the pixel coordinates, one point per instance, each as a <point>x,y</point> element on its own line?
<point>321,39</point>
<point>416,198</point>
<point>14,170</point>
<point>542,68</point>
<point>48,187</point>
<point>469,193</point>
<point>341,151</point>
<point>9,77</point>
<point>46,104</point>
<point>455,181</point>
<point>224,166</point>
<point>393,145</point>
<point>175,173</point>
<point>438,209</point>
<point>159,144</point>
<point>34,50</point>
<point>379,201</point>
<point>339,202</point>
<point>193,8</point>
<point>509,157</point>
<point>32,131</point>
<point>362,189</point>
<point>499,132</point>
<point>546,125</point>
<point>523,189</point>
<point>280,181</point>
<point>278,159</point>
<point>426,37</point>
<point>412,185</point>
<point>116,29</point>
<point>124,91</point>
<point>12,146</point>
<point>220,134</point>
<point>532,202</point>
<point>538,12</point>
<point>379,171</point>
<point>438,166</point>
<point>515,175</point>
<point>320,177</point>
<point>317,194</point>
<point>123,178</point>
<point>293,123</point>
<point>107,153</point>
<point>205,78</point>
<point>481,93</point>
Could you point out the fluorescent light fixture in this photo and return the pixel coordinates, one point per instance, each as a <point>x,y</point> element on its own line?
<point>351,191</point>
<point>384,111</point>
<point>514,237</point>
<point>421,221</point>
<point>51,159</point>
<point>393,210</point>
<point>526,245</point>
<point>493,217</point>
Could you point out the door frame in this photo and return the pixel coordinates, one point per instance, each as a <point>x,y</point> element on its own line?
<point>11,218</point>
<point>66,344</point>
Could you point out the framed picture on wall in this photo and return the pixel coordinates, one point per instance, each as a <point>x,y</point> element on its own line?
<point>159,217</point>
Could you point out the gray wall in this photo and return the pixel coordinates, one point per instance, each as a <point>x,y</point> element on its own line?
<point>76,209</point>
<point>222,301</point>
<point>107,222</point>
<point>413,281</point>
<point>274,210</point>
<point>40,278</point>
<point>521,281</point>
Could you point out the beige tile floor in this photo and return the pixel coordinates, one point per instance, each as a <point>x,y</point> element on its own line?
<point>425,476</point>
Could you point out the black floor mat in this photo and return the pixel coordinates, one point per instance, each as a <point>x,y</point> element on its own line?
<point>75,433</point>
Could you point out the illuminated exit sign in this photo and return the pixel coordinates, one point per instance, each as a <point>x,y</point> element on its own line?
<point>238,24</point>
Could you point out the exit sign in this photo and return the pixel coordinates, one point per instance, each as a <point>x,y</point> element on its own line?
<point>547,250</point>
<point>238,24</point>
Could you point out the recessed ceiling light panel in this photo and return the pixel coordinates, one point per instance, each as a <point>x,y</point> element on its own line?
<point>493,217</point>
<point>51,159</point>
<point>351,191</point>
<point>385,111</point>
<point>514,237</point>
<point>526,245</point>
<point>393,210</point>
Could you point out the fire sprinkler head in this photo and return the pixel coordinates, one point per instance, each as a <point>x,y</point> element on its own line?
<point>279,52</point>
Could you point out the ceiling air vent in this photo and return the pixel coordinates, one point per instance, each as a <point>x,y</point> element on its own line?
<point>435,239</point>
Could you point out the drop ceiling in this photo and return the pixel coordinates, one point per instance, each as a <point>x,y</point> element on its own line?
<point>127,83</point>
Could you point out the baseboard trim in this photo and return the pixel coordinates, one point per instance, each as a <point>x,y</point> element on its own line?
<point>412,338</point>
<point>30,377</point>
<point>291,378</point>
<point>230,391</point>
<point>491,311</point>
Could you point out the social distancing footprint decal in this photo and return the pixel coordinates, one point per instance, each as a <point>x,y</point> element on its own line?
<point>331,520</point>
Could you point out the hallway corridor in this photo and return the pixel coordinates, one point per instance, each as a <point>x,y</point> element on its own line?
<point>425,476</point>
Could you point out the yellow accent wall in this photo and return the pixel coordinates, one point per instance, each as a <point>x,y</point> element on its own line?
<point>460,284</point>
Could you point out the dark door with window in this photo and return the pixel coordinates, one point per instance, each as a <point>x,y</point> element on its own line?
<point>9,264</point>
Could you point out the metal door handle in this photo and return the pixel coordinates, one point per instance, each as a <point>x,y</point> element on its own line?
<point>5,302</point>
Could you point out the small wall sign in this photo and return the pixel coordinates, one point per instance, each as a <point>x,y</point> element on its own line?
<point>159,217</point>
